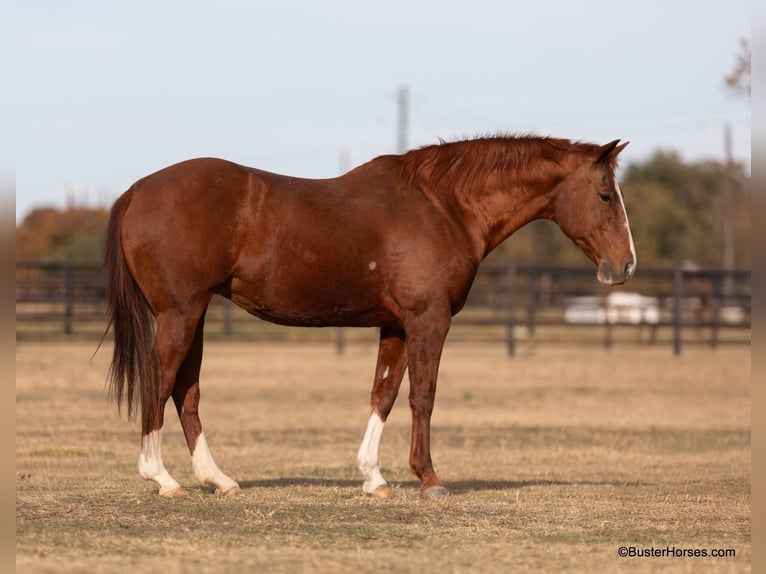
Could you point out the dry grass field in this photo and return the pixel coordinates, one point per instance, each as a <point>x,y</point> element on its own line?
<point>555,459</point>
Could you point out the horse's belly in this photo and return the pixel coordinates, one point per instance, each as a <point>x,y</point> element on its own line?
<point>311,304</point>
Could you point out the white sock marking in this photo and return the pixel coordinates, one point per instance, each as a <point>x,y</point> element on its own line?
<point>150,464</point>
<point>205,469</point>
<point>367,457</point>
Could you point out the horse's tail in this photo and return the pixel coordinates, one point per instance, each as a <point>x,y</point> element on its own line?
<point>133,374</point>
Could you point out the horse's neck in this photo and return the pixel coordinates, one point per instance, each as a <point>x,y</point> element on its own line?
<point>504,203</point>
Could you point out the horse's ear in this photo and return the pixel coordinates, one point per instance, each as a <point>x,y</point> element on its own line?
<point>619,148</point>
<point>610,150</point>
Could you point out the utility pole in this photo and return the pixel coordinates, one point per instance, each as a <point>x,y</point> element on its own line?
<point>402,108</point>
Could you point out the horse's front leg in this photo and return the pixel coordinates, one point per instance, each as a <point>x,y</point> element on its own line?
<point>425,339</point>
<point>392,362</point>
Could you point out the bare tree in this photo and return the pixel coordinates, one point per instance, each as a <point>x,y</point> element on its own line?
<point>739,79</point>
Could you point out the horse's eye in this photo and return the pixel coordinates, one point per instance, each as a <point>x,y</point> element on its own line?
<point>605,197</point>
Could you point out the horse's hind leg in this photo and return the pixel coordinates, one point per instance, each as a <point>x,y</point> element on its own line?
<point>186,398</point>
<point>175,333</point>
<point>392,362</point>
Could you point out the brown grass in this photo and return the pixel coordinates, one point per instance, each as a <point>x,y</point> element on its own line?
<point>554,458</point>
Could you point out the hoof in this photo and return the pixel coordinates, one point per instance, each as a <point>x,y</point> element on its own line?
<point>435,493</point>
<point>173,492</point>
<point>233,491</point>
<point>383,491</point>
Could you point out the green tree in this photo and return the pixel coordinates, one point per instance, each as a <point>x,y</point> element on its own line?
<point>675,210</point>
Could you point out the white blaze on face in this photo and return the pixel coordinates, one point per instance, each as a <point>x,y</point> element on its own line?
<point>367,457</point>
<point>627,225</point>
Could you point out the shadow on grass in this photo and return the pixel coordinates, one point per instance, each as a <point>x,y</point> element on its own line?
<point>456,487</point>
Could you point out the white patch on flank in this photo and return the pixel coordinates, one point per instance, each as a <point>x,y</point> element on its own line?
<point>367,457</point>
<point>627,225</point>
<point>372,265</point>
<point>150,464</point>
<point>385,373</point>
<point>205,469</point>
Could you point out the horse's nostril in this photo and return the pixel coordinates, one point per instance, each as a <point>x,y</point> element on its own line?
<point>629,267</point>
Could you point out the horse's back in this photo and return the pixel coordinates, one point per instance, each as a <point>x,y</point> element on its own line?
<point>212,185</point>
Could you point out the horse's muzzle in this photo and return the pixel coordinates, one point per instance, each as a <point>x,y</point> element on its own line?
<point>609,275</point>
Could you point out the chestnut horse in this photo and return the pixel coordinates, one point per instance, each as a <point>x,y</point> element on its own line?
<point>395,243</point>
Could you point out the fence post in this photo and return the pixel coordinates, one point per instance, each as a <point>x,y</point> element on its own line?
<point>340,341</point>
<point>716,302</point>
<point>608,335</point>
<point>510,313</point>
<point>227,318</point>
<point>532,283</point>
<point>678,287</point>
<point>68,296</point>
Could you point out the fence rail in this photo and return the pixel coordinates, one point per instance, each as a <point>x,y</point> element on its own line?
<point>518,304</point>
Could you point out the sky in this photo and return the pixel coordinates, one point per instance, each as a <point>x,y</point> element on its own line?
<point>105,93</point>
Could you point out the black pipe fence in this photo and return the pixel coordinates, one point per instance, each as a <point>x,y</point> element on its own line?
<point>517,304</point>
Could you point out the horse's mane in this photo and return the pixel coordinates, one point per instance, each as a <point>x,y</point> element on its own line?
<point>462,162</point>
